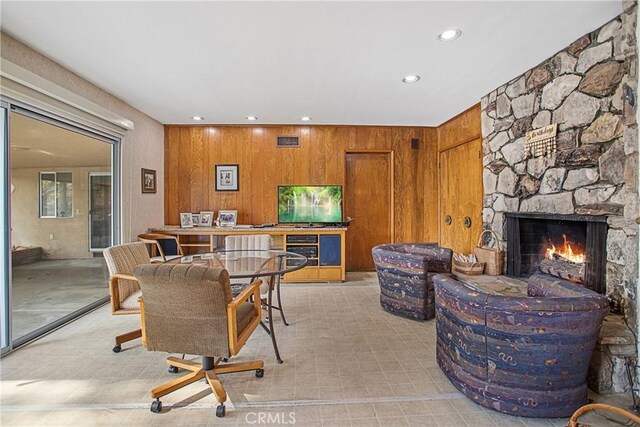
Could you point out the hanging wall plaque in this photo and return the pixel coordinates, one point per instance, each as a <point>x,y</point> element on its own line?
<point>541,142</point>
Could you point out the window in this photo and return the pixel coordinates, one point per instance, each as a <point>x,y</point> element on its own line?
<point>56,195</point>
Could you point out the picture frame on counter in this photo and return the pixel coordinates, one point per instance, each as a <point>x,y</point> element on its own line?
<point>186,220</point>
<point>206,219</point>
<point>227,218</point>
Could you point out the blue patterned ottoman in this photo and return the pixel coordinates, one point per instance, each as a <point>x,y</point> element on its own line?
<point>525,356</point>
<point>405,272</point>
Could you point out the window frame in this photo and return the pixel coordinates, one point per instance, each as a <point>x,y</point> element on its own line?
<point>55,186</point>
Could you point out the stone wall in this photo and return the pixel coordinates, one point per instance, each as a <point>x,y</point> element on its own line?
<point>589,89</point>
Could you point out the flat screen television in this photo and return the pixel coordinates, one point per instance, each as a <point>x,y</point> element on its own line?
<point>320,204</point>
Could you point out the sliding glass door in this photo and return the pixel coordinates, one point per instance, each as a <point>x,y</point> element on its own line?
<point>5,270</point>
<point>58,219</point>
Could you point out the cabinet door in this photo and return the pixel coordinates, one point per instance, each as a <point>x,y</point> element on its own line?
<point>330,253</point>
<point>461,196</point>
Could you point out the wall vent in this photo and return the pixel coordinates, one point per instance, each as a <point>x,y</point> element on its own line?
<point>288,141</point>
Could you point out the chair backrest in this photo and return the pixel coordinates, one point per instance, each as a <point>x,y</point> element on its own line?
<point>248,241</point>
<point>164,243</point>
<point>123,259</point>
<point>185,308</point>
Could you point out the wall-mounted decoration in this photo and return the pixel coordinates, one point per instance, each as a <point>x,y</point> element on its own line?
<point>227,218</point>
<point>148,181</point>
<point>206,219</point>
<point>541,142</point>
<point>186,220</point>
<point>227,178</point>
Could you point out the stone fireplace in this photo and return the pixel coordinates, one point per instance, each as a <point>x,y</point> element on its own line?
<point>572,247</point>
<point>587,189</point>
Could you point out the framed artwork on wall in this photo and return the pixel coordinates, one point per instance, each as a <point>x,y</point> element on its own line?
<point>227,178</point>
<point>149,181</point>
<point>227,218</point>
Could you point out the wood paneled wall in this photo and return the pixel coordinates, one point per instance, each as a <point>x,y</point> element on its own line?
<point>460,129</point>
<point>191,153</point>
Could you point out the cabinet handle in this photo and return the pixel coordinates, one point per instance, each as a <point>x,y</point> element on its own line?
<point>447,219</point>
<point>467,222</point>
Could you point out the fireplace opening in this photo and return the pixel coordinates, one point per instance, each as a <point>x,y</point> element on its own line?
<point>572,247</point>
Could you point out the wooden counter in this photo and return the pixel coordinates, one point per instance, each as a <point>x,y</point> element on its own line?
<point>323,246</point>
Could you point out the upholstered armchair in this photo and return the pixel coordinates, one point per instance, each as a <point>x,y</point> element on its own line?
<point>405,272</point>
<point>123,286</point>
<point>189,309</point>
<point>522,355</point>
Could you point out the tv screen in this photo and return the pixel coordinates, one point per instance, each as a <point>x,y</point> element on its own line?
<point>309,203</point>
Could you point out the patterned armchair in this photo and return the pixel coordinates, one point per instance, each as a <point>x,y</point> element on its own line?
<point>525,356</point>
<point>405,272</point>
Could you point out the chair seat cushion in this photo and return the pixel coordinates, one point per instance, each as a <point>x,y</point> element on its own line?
<point>131,302</point>
<point>244,315</point>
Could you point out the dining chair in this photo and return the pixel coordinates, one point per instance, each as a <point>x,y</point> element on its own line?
<point>189,309</point>
<point>161,244</point>
<point>257,242</point>
<point>124,289</point>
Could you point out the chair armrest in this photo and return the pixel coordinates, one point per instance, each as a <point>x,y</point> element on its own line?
<point>253,288</point>
<point>123,276</point>
<point>114,291</point>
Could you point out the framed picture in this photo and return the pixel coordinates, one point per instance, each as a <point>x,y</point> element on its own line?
<point>186,220</point>
<point>228,218</point>
<point>206,219</point>
<point>148,181</point>
<point>195,218</point>
<point>227,178</point>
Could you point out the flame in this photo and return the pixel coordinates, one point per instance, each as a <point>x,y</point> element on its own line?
<point>566,251</point>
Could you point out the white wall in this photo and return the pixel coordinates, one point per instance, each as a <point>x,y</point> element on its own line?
<point>141,148</point>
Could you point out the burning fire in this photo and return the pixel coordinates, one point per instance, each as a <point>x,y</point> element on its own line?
<point>566,251</point>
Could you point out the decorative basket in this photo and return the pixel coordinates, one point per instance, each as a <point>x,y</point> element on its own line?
<point>493,258</point>
<point>468,268</point>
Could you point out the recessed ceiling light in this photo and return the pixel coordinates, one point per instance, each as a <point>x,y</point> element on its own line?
<point>448,35</point>
<point>411,79</point>
<point>252,118</point>
<point>197,118</point>
<point>305,118</point>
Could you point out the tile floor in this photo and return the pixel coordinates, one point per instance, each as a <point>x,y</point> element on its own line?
<point>346,363</point>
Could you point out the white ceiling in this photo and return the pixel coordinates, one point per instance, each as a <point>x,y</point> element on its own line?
<point>338,62</point>
<point>35,144</point>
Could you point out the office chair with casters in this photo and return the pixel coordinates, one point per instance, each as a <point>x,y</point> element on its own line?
<point>257,242</point>
<point>160,244</point>
<point>189,309</point>
<point>123,286</point>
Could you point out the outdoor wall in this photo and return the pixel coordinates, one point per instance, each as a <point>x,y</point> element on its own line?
<point>70,235</point>
<point>141,148</point>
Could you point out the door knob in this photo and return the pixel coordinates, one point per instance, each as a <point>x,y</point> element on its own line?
<point>467,222</point>
<point>447,219</point>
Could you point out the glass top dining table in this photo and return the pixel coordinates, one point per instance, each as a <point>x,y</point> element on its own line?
<point>253,264</point>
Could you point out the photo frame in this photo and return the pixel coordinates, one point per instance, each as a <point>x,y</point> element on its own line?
<point>228,218</point>
<point>195,217</point>
<point>148,181</point>
<point>206,219</point>
<point>186,220</point>
<point>227,178</point>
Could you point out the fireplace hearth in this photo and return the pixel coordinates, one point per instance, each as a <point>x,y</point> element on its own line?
<point>572,247</point>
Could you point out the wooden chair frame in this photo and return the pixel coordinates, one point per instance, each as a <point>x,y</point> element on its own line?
<point>153,239</point>
<point>116,309</point>
<point>210,367</point>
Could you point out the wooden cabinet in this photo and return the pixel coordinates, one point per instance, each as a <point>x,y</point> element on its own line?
<point>324,247</point>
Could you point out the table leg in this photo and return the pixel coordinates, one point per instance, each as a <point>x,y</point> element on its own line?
<point>272,331</point>
<point>284,319</point>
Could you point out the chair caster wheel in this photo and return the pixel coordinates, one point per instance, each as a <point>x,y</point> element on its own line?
<point>220,410</point>
<point>173,369</point>
<point>156,406</point>
<point>224,359</point>
<point>259,373</point>
<point>117,349</point>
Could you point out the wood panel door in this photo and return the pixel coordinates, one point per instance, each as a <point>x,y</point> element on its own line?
<point>461,193</point>
<point>369,200</point>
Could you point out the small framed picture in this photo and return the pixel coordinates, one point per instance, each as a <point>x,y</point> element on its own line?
<point>195,218</point>
<point>227,178</point>
<point>227,218</point>
<point>148,181</point>
<point>186,220</point>
<point>206,219</point>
